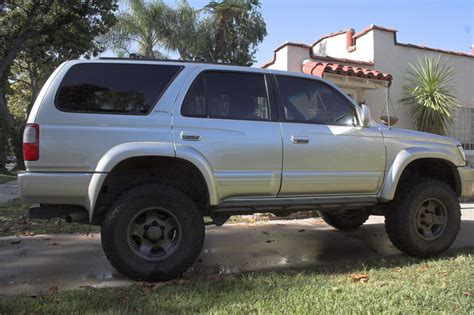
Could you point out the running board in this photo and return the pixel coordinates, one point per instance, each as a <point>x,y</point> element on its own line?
<point>288,205</point>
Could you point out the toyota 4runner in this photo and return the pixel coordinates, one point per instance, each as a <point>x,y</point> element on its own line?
<point>146,149</point>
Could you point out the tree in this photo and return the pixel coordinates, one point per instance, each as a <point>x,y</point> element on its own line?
<point>145,24</point>
<point>236,28</point>
<point>430,93</point>
<point>183,30</point>
<point>45,32</point>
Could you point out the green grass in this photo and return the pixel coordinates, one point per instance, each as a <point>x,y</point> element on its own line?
<point>6,178</point>
<point>14,221</point>
<point>395,285</point>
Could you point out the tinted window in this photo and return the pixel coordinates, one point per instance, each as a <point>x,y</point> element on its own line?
<point>228,95</point>
<point>114,88</point>
<point>314,102</point>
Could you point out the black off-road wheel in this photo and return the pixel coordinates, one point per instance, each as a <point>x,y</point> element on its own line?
<point>424,218</point>
<point>347,220</point>
<point>153,232</point>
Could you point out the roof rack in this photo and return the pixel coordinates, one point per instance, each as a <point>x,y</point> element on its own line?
<point>168,60</point>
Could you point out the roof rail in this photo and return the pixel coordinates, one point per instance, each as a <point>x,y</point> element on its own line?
<point>168,60</point>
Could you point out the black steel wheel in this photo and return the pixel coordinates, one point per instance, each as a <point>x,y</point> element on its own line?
<point>154,234</point>
<point>431,219</point>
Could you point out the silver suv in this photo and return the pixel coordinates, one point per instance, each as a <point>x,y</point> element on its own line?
<point>146,149</point>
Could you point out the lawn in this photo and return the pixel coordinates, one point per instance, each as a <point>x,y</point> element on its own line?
<point>14,221</point>
<point>391,285</point>
<point>6,178</point>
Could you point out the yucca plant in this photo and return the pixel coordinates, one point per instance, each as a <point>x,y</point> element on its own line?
<point>428,89</point>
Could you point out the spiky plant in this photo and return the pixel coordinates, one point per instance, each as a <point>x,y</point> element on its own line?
<point>428,89</point>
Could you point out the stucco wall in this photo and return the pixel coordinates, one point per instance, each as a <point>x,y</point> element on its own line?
<point>335,46</point>
<point>395,59</point>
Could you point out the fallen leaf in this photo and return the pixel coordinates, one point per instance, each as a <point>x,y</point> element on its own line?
<point>336,289</point>
<point>269,241</point>
<point>146,287</point>
<point>444,273</point>
<point>467,293</point>
<point>53,244</point>
<point>215,277</point>
<point>15,242</point>
<point>360,277</point>
<point>180,281</point>
<point>444,285</point>
<point>23,220</point>
<point>302,230</point>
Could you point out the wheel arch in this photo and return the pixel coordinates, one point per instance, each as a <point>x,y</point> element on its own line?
<point>153,156</point>
<point>421,160</point>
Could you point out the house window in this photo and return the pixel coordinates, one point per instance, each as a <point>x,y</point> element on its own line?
<point>463,128</point>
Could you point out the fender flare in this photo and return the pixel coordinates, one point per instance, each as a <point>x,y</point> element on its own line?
<point>403,159</point>
<point>125,151</point>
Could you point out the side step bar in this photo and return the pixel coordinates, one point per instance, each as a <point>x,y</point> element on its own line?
<point>288,205</point>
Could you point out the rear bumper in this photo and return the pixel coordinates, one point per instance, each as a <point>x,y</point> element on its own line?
<point>466,176</point>
<point>55,188</point>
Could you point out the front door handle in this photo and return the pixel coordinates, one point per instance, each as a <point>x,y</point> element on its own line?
<point>299,139</point>
<point>190,137</point>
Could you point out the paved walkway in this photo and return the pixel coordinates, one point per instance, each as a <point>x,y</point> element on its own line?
<point>9,191</point>
<point>33,264</point>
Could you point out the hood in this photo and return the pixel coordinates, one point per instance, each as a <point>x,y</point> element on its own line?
<point>416,136</point>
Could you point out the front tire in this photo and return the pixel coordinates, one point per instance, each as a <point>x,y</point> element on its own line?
<point>153,232</point>
<point>424,218</point>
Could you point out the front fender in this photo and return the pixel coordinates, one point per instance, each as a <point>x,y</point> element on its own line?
<point>403,159</point>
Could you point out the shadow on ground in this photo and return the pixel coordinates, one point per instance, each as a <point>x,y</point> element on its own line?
<point>36,263</point>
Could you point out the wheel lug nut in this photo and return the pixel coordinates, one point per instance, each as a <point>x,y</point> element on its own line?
<point>146,227</point>
<point>162,228</point>
<point>154,223</point>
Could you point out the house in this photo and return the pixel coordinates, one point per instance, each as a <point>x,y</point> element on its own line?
<point>370,63</point>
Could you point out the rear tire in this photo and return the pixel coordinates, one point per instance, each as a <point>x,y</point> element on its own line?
<point>153,232</point>
<point>347,220</point>
<point>424,218</point>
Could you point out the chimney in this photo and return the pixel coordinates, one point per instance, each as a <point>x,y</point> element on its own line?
<point>350,40</point>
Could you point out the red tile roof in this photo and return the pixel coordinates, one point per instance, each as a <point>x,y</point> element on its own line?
<point>317,68</point>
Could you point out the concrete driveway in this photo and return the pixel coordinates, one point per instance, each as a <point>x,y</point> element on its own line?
<point>33,264</point>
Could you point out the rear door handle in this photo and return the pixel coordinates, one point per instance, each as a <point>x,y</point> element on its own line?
<point>190,137</point>
<point>299,139</point>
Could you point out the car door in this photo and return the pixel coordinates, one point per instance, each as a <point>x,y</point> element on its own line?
<point>227,117</point>
<point>326,151</point>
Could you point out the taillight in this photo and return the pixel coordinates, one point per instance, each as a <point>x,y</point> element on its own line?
<point>31,142</point>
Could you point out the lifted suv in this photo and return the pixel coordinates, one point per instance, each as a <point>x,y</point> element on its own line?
<point>147,148</point>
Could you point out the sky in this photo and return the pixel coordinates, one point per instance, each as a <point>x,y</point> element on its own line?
<point>440,24</point>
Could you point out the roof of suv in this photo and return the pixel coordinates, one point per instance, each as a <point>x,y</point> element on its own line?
<point>205,65</point>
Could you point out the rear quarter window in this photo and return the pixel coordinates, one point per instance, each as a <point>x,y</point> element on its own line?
<point>114,88</point>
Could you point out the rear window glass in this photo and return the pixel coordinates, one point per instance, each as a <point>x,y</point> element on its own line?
<point>114,88</point>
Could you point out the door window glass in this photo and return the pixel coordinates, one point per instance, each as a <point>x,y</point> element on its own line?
<point>311,101</point>
<point>228,95</point>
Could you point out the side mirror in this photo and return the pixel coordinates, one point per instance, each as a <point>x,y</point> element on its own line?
<point>365,115</point>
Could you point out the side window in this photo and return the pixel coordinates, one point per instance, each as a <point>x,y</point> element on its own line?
<point>228,95</point>
<point>310,101</point>
<point>111,88</point>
